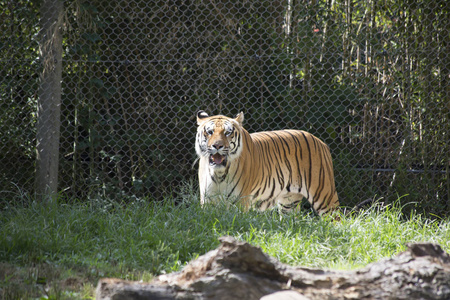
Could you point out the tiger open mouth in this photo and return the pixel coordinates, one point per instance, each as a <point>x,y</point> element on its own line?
<point>217,160</point>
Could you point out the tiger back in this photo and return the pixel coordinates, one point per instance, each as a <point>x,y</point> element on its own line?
<point>264,169</point>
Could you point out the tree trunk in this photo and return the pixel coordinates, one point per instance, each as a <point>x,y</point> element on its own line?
<point>238,270</point>
<point>49,102</point>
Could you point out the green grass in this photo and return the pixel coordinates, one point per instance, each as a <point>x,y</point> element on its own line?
<point>60,250</point>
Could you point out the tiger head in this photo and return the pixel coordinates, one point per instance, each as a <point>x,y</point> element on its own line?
<point>218,138</point>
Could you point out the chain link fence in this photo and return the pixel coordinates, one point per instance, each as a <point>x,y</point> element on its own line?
<point>370,78</point>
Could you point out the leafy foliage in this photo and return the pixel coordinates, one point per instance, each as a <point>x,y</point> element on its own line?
<point>369,78</point>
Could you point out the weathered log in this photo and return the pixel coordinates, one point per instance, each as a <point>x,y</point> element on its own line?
<point>238,270</point>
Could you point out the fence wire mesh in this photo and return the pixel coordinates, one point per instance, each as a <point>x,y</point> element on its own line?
<point>370,78</point>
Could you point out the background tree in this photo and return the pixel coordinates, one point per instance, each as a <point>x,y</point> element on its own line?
<point>370,78</point>
<point>49,101</point>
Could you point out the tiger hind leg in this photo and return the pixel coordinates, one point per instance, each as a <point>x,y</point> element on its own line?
<point>290,201</point>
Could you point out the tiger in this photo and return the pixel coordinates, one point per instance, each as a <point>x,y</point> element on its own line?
<point>263,170</point>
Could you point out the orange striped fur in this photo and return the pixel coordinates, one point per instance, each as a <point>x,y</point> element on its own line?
<point>264,169</point>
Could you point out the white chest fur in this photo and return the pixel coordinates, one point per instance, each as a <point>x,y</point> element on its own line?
<point>215,182</point>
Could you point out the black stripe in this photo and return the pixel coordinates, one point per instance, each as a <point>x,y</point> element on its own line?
<point>265,184</point>
<point>273,189</point>
<point>290,205</point>
<point>297,146</point>
<point>238,143</point>
<point>286,160</point>
<point>225,174</point>
<point>232,179</point>
<point>257,193</point>
<point>310,161</point>
<point>237,182</point>
<point>261,202</point>
<point>269,204</point>
<point>307,189</point>
<point>320,187</point>
<point>280,177</point>
<point>244,186</point>
<point>258,204</point>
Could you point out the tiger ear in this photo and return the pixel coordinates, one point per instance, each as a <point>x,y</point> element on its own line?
<point>201,115</point>
<point>240,118</point>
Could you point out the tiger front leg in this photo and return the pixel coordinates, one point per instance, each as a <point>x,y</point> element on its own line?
<point>203,181</point>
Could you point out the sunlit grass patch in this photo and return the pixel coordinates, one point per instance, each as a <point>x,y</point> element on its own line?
<point>61,249</point>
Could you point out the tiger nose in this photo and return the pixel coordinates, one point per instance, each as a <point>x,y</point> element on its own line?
<point>218,145</point>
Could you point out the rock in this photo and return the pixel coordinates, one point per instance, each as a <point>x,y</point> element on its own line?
<point>115,289</point>
<point>238,270</point>
<point>285,295</point>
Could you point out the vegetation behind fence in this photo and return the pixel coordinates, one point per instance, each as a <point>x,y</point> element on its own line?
<point>370,78</point>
